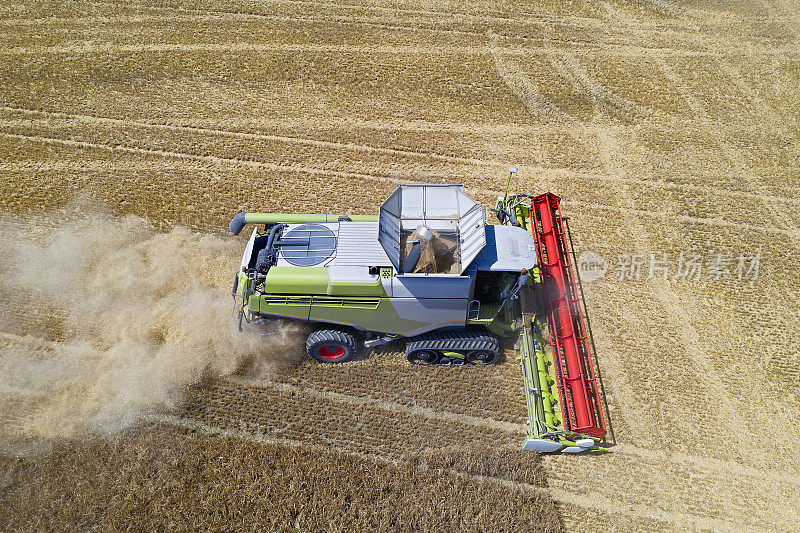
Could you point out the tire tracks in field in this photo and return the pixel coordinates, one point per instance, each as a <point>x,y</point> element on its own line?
<point>66,165</point>
<point>569,68</point>
<point>760,104</point>
<point>227,15</point>
<point>196,157</point>
<point>594,502</point>
<point>785,15</point>
<point>386,179</point>
<point>413,411</point>
<point>732,153</point>
<point>260,136</point>
<point>725,414</point>
<point>522,83</point>
<point>354,21</point>
<point>94,48</point>
<point>512,72</point>
<point>615,508</point>
<point>690,17</point>
<point>237,416</point>
<point>587,43</point>
<point>587,23</point>
<point>664,457</point>
<point>521,86</point>
<point>784,219</point>
<point>118,19</point>
<point>680,316</point>
<point>639,36</point>
<point>722,466</point>
<point>228,417</point>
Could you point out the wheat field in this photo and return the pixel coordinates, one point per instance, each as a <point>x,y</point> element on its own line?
<point>667,127</point>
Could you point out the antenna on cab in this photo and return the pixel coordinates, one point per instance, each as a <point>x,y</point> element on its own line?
<point>511,172</point>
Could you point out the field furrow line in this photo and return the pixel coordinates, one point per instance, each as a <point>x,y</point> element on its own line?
<point>509,68</point>
<point>90,47</point>
<point>687,219</point>
<point>584,22</point>
<point>556,172</point>
<point>677,490</point>
<point>681,317</point>
<point>94,47</point>
<point>685,25</point>
<point>608,506</point>
<point>524,88</point>
<point>729,468</point>
<point>709,393</point>
<point>633,48</point>
<point>680,123</point>
<point>493,193</point>
<point>195,157</point>
<point>570,69</point>
<point>665,458</point>
<point>336,19</point>
<point>118,19</point>
<point>760,104</point>
<point>227,15</point>
<point>626,510</point>
<point>444,125</point>
<point>553,172</point>
<point>427,412</point>
<point>227,418</point>
<point>581,22</point>
<point>262,136</point>
<point>210,429</point>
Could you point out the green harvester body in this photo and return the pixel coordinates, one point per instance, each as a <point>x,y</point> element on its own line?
<point>429,270</point>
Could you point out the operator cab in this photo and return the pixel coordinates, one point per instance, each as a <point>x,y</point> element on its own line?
<point>509,251</point>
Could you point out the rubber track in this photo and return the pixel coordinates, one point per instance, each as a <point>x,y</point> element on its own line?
<point>461,341</point>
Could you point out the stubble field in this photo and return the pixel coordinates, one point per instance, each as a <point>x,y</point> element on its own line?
<point>667,127</point>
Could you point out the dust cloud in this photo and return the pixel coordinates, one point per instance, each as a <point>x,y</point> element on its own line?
<point>106,320</point>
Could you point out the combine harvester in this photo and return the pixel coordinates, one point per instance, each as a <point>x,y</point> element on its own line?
<point>429,270</point>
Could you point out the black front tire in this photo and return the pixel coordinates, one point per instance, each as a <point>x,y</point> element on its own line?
<point>332,346</point>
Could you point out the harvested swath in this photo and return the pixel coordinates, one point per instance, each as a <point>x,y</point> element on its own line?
<point>502,462</point>
<point>385,374</point>
<point>156,475</point>
<point>354,423</point>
